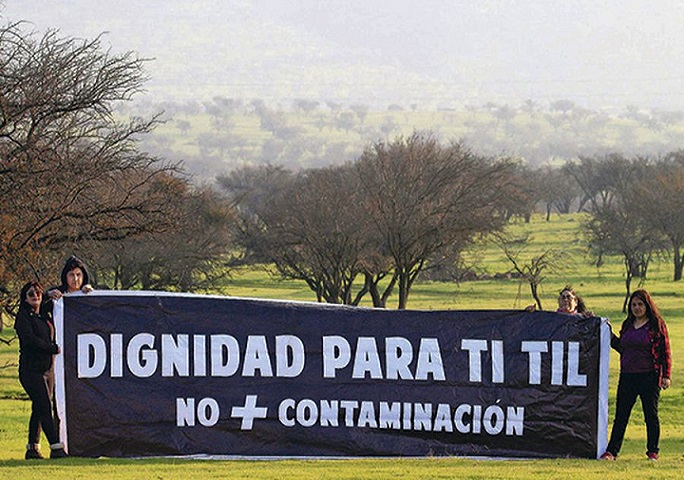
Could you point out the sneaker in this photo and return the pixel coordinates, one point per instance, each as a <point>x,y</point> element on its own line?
<point>33,453</point>
<point>653,456</point>
<point>607,456</point>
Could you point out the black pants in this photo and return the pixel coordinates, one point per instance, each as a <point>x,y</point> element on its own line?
<point>39,387</point>
<point>631,386</point>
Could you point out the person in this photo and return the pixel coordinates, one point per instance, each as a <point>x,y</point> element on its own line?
<point>568,302</point>
<point>37,349</point>
<point>74,278</point>
<point>645,369</point>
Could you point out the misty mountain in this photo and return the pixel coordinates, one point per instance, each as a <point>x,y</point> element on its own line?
<point>430,53</point>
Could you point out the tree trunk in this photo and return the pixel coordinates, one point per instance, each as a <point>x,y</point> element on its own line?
<point>628,287</point>
<point>403,290</point>
<point>678,264</point>
<point>535,294</point>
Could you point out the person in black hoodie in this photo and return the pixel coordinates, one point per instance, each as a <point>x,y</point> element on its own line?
<point>37,349</point>
<point>74,279</point>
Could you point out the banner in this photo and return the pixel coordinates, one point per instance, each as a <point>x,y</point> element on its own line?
<point>152,374</point>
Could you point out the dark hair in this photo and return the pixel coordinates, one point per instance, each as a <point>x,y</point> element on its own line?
<point>72,263</point>
<point>24,291</point>
<point>655,320</point>
<point>581,306</point>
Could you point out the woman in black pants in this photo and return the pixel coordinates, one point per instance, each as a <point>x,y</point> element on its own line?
<point>645,369</point>
<point>37,348</point>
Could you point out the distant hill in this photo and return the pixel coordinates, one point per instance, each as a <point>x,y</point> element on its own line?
<point>432,53</point>
<point>206,48</point>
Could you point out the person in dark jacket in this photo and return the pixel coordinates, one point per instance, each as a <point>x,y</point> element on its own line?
<point>37,349</point>
<point>645,369</point>
<point>74,278</point>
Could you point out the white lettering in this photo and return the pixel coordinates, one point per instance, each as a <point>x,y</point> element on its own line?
<point>142,362</point>
<point>399,354</point>
<point>575,379</point>
<point>430,360</point>
<point>257,357</point>
<point>535,349</point>
<point>367,359</point>
<point>225,355</point>
<point>336,355</point>
<point>176,355</point>
<point>92,355</point>
<point>290,356</point>
<point>465,419</point>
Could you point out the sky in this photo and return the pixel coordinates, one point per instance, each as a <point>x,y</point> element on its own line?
<point>599,54</point>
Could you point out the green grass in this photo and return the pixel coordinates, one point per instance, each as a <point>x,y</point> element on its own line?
<point>602,288</point>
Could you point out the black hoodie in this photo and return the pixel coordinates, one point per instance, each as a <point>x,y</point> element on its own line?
<point>71,263</point>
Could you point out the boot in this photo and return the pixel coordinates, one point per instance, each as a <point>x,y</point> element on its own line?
<point>57,451</point>
<point>33,452</point>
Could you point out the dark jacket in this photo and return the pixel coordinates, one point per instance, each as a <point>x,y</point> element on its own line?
<point>660,351</point>
<point>36,340</point>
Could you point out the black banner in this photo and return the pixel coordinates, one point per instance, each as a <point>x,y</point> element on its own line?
<point>149,374</point>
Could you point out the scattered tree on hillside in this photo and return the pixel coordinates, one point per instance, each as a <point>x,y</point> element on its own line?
<point>305,224</point>
<point>521,193</point>
<point>251,191</point>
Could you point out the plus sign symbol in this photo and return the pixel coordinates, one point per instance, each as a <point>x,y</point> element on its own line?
<point>249,412</point>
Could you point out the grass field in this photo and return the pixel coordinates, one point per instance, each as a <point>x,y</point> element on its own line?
<point>603,290</point>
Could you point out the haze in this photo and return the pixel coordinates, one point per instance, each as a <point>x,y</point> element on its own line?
<point>430,53</point>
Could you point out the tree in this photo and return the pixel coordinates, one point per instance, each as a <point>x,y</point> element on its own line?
<point>618,230</point>
<point>615,225</point>
<point>69,171</point>
<point>314,239</point>
<point>251,191</point>
<point>298,224</point>
<point>521,193</point>
<point>536,267</point>
<point>659,197</point>
<point>426,201</point>
<point>557,190</point>
<point>600,178</point>
<point>191,255</point>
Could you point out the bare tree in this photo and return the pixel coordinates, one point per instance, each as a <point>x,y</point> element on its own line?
<point>600,178</point>
<point>618,231</point>
<point>424,200</point>
<point>251,191</point>
<point>69,170</point>
<point>313,234</point>
<point>557,190</point>
<point>615,225</point>
<point>190,255</point>
<point>531,268</point>
<point>658,200</point>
